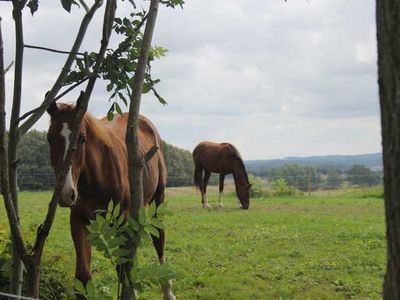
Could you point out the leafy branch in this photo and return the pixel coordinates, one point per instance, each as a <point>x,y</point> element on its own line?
<point>112,228</point>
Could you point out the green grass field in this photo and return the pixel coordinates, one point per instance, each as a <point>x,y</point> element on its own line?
<point>327,246</point>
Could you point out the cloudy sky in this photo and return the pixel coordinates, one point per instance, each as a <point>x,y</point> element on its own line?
<point>275,78</point>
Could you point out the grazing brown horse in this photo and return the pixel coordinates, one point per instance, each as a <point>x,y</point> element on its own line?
<point>99,173</point>
<point>224,159</point>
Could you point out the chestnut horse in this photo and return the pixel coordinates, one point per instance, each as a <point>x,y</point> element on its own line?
<point>99,173</point>
<point>224,159</point>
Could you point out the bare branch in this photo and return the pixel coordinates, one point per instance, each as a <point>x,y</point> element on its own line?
<point>65,70</point>
<point>13,141</point>
<point>5,184</point>
<point>83,3</point>
<point>52,50</point>
<point>71,88</point>
<point>12,215</point>
<point>135,159</point>
<point>55,99</point>
<point>9,67</point>
<point>81,105</point>
<point>149,154</point>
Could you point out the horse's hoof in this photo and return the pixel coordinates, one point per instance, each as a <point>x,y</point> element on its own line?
<point>220,205</point>
<point>206,205</point>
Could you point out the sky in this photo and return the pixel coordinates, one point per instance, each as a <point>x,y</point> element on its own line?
<point>274,78</point>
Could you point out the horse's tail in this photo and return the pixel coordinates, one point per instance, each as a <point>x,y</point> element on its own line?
<point>197,177</point>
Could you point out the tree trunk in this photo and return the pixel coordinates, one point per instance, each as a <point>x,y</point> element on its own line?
<point>17,266</point>
<point>388,28</point>
<point>136,160</point>
<point>33,276</point>
<point>9,160</point>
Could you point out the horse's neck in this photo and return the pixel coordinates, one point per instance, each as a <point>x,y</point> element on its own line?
<point>240,175</point>
<point>105,166</point>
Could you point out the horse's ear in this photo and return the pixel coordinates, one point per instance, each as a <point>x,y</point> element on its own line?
<point>52,109</point>
<point>80,99</point>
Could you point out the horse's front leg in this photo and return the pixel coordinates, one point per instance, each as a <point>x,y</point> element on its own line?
<point>159,243</point>
<point>221,189</point>
<point>204,201</point>
<point>82,248</point>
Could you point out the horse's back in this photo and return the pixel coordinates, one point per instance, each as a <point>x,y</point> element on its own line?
<point>214,157</point>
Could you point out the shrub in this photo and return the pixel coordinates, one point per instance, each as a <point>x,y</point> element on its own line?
<point>279,187</point>
<point>257,189</point>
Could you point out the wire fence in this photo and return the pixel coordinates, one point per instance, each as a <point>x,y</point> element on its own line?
<point>325,181</point>
<point>42,181</point>
<point>12,296</point>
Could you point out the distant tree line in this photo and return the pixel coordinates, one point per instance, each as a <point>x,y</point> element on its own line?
<point>307,178</point>
<point>35,171</point>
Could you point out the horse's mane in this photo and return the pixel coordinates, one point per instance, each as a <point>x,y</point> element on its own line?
<point>239,159</point>
<point>98,129</point>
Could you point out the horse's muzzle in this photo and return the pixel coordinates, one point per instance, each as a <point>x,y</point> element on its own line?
<point>71,200</point>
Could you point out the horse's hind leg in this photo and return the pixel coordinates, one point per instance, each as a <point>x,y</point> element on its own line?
<point>159,243</point>
<point>204,188</point>
<point>198,181</point>
<point>221,189</point>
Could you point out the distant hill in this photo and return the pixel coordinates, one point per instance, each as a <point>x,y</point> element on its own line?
<point>373,161</point>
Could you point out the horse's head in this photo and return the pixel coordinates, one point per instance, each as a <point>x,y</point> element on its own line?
<point>58,136</point>
<point>243,194</point>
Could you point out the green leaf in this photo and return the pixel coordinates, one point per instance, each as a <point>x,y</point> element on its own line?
<point>110,206</point>
<point>117,241</point>
<point>92,237</point>
<point>152,209</point>
<point>110,114</point>
<point>100,246</point>
<point>133,225</point>
<point>144,234</point>
<point>66,4</point>
<point>120,252</point>
<point>162,208</point>
<point>33,5</point>
<point>118,108</point>
<point>157,223</point>
<point>152,230</point>
<point>78,286</point>
<point>159,98</point>
<point>90,289</point>
<point>122,97</point>
<point>110,232</point>
<point>146,88</point>
<point>100,220</point>
<point>117,210</point>
<point>142,216</point>
<point>121,260</point>
<point>121,219</point>
<point>93,226</point>
<point>110,87</point>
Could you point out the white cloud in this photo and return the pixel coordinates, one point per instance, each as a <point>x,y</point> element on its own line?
<point>275,78</point>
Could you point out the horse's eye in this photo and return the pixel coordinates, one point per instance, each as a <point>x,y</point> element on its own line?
<point>49,141</point>
<point>82,138</point>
